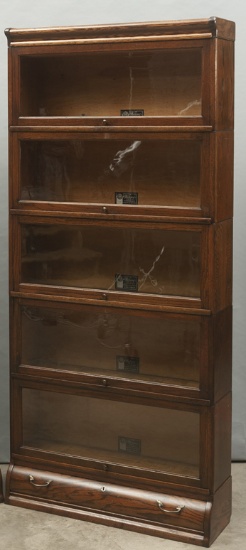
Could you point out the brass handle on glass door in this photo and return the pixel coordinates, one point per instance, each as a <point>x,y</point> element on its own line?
<point>45,484</point>
<point>175,511</point>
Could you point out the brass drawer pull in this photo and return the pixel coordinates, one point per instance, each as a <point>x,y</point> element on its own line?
<point>45,484</point>
<point>175,511</point>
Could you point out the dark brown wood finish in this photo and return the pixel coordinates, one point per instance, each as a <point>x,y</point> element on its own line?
<point>148,365</point>
<point>213,26</point>
<point>224,94</point>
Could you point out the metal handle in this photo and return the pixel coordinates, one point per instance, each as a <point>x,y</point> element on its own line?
<point>175,511</point>
<point>45,484</point>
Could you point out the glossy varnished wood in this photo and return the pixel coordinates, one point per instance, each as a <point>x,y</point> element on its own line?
<point>178,518</point>
<point>214,26</point>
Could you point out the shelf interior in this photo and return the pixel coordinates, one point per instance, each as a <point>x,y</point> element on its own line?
<point>138,172</point>
<point>139,436</point>
<point>151,83</point>
<point>101,342</point>
<point>112,258</point>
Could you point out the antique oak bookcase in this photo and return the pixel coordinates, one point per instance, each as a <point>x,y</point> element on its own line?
<point>121,176</point>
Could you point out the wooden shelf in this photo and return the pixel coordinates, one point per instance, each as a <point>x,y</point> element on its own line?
<point>115,458</point>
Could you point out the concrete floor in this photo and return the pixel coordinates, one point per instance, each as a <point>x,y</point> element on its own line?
<point>22,529</point>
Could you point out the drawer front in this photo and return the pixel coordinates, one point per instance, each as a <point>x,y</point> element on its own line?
<point>107,498</point>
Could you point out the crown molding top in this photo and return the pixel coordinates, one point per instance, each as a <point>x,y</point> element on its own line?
<point>201,28</point>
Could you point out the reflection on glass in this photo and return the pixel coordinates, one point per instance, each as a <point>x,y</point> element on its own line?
<point>109,431</point>
<point>100,341</point>
<point>161,173</point>
<point>138,83</point>
<point>112,258</point>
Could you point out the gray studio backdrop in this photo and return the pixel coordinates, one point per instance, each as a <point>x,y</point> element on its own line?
<point>33,13</point>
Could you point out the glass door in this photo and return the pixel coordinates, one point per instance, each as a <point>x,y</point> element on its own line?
<point>144,173</point>
<point>152,83</point>
<point>119,434</point>
<point>112,258</point>
<point>113,345</point>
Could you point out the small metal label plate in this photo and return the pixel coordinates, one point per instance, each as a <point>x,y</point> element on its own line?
<point>125,363</point>
<point>132,112</point>
<point>129,445</point>
<point>126,283</point>
<point>122,197</point>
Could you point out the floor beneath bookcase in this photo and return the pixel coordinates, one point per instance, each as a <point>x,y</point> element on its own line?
<point>29,530</point>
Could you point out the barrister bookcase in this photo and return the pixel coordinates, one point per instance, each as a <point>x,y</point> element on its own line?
<point>121,185</point>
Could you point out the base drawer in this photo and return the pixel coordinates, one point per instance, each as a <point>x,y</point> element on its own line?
<point>109,499</point>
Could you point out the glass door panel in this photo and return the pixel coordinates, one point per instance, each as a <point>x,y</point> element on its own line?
<point>144,172</point>
<point>107,431</point>
<point>112,258</point>
<point>121,345</point>
<point>137,83</point>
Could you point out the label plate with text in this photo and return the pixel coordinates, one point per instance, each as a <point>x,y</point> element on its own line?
<point>126,283</point>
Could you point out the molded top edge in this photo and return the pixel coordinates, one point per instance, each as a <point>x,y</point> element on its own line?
<point>217,27</point>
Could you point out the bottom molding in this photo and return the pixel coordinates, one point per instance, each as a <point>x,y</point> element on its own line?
<point>178,518</point>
